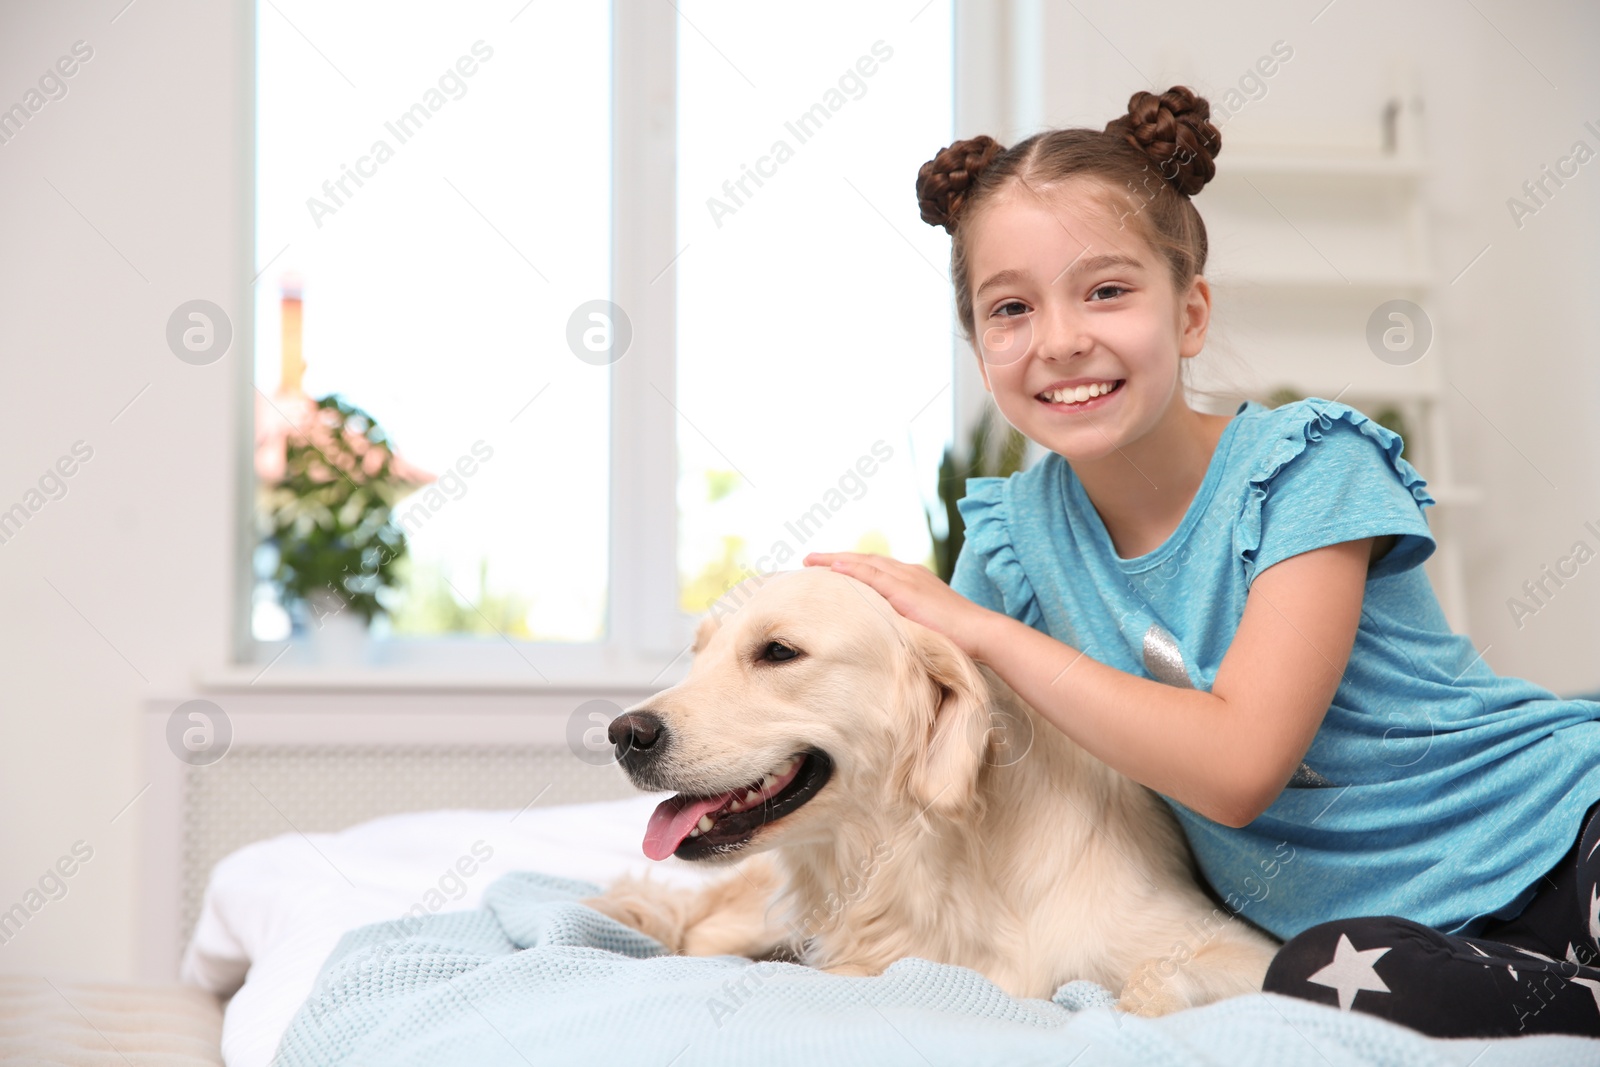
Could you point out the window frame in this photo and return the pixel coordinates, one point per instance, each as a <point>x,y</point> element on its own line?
<point>646,634</point>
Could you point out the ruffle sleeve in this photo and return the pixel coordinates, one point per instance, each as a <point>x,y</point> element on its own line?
<point>987,571</point>
<point>1332,474</point>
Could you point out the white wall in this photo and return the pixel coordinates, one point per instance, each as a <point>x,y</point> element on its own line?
<point>120,592</point>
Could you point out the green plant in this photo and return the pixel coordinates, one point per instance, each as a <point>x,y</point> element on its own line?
<point>432,605</point>
<point>331,516</point>
<point>984,458</point>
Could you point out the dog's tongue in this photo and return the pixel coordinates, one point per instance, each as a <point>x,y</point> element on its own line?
<point>672,820</point>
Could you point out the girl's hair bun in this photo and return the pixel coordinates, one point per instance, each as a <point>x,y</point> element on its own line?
<point>1175,132</point>
<point>944,181</point>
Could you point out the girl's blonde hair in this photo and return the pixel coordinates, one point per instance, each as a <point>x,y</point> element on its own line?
<point>1155,157</point>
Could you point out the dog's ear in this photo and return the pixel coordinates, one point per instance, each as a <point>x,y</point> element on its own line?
<point>950,711</point>
<point>702,634</point>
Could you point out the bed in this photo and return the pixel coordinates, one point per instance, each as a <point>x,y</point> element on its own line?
<point>457,937</point>
<point>348,886</point>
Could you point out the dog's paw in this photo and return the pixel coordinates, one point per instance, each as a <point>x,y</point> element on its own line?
<point>1146,993</point>
<point>644,908</point>
<point>1150,1005</point>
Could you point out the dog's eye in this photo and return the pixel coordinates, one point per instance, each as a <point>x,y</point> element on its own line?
<point>777,652</point>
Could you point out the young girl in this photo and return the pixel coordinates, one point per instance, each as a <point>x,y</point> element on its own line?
<point>1232,610</point>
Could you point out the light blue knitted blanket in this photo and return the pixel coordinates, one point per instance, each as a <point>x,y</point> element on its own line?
<point>534,977</point>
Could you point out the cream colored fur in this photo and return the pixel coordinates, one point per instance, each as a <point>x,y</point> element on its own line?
<point>958,825</point>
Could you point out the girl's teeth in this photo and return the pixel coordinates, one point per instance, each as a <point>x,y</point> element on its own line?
<point>1078,394</point>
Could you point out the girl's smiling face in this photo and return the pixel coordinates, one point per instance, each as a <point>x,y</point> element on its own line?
<point>1078,331</point>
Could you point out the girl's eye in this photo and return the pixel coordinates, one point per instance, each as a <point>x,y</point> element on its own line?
<point>776,652</point>
<point>1001,310</point>
<point>1114,290</point>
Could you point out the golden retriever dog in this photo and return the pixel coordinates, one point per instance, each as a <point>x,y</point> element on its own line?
<point>879,794</point>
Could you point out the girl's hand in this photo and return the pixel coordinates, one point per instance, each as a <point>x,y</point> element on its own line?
<point>914,591</point>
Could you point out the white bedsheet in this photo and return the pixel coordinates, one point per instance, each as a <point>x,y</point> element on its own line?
<point>274,910</point>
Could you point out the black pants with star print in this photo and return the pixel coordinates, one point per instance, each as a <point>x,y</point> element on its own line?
<point>1536,974</point>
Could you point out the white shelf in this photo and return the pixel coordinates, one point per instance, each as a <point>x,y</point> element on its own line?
<point>1305,247</point>
<point>1449,495</point>
<point>1328,285</point>
<point>1319,166</point>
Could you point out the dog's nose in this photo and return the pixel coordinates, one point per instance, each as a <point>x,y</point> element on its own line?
<point>634,730</point>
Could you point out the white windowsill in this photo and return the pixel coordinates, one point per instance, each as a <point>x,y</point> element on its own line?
<point>446,667</point>
<point>358,680</point>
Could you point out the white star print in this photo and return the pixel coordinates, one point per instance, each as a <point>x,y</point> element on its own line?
<point>1594,912</point>
<point>1530,952</point>
<point>1589,983</point>
<point>1480,952</point>
<point>1351,972</point>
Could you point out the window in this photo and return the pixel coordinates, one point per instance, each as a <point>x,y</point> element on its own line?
<point>814,323</point>
<point>436,202</point>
